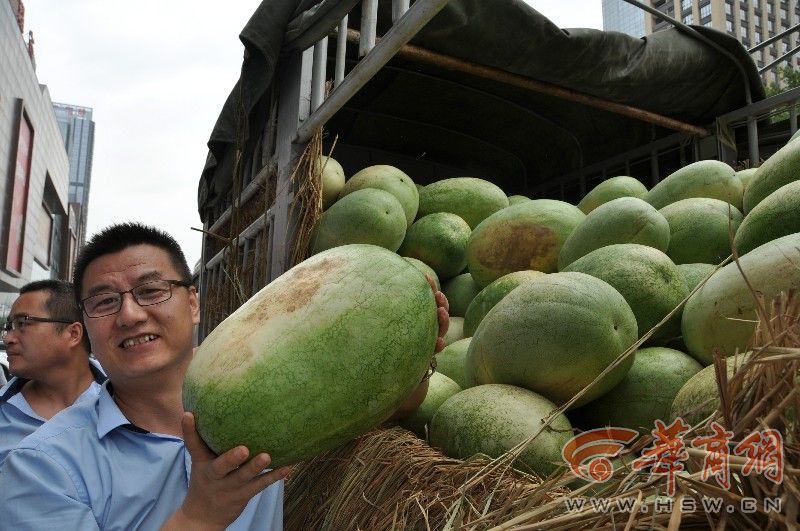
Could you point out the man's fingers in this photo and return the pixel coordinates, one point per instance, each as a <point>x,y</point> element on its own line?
<point>253,467</point>
<point>263,481</point>
<point>197,448</point>
<point>431,282</point>
<point>441,301</point>
<point>440,344</point>
<point>229,461</point>
<point>444,321</point>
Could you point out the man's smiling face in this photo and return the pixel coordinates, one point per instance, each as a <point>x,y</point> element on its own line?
<point>140,341</point>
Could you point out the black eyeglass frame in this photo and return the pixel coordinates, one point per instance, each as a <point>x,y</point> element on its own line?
<point>181,283</point>
<point>8,326</point>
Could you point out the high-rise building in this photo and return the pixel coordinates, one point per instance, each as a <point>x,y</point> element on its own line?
<point>77,129</point>
<point>36,236</point>
<point>751,22</point>
<point>623,17</point>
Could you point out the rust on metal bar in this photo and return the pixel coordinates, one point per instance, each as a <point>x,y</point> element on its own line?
<point>460,65</point>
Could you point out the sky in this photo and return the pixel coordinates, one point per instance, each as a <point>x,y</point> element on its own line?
<point>156,74</point>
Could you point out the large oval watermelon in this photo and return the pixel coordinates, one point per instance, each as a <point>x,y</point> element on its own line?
<point>322,354</point>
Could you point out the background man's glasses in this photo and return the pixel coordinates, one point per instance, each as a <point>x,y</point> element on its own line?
<point>146,294</point>
<point>19,322</point>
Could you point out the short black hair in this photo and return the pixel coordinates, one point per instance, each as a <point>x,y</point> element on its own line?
<point>115,238</point>
<point>61,303</point>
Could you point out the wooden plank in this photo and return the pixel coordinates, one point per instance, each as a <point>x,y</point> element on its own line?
<point>395,38</point>
<point>369,26</point>
<point>318,73</point>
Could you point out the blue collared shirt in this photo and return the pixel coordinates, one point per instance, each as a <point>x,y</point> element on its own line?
<point>17,417</point>
<point>90,468</point>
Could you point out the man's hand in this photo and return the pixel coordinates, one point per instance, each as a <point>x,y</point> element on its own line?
<point>442,312</point>
<point>219,487</point>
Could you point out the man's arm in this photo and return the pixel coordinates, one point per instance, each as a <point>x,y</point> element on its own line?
<point>37,493</point>
<point>219,487</point>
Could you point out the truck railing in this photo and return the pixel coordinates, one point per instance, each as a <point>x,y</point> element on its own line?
<point>233,269</point>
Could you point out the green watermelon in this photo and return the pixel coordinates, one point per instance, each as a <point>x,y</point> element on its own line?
<point>705,178</point>
<point>746,176</point>
<point>644,395</point>
<point>523,236</point>
<point>389,179</point>
<point>455,331</point>
<point>623,220</point>
<point>332,180</point>
<point>491,295</point>
<point>470,198</point>
<point>425,269</point>
<point>450,361</point>
<point>721,315</point>
<point>700,230</point>
<point>777,215</point>
<point>780,169</point>
<point>324,353</point>
<point>610,189</point>
<point>439,240</point>
<point>699,396</point>
<point>366,216</point>
<point>492,419</point>
<point>646,277</point>
<point>460,291</point>
<point>514,199</point>
<point>554,336</point>
<point>694,274</point>
<point>440,389</point>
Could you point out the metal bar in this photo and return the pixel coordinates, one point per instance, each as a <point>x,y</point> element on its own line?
<point>459,65</point>
<point>369,26</point>
<point>318,73</point>
<point>655,176</point>
<point>399,8</point>
<point>341,52</point>
<point>770,104</point>
<point>642,151</point>
<point>247,193</point>
<point>246,234</point>
<point>752,140</point>
<point>395,38</point>
<point>793,119</point>
<point>779,59</point>
<point>779,36</point>
<point>705,40</point>
<point>255,285</point>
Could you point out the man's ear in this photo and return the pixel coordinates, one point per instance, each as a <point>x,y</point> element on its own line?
<point>194,304</point>
<point>75,332</point>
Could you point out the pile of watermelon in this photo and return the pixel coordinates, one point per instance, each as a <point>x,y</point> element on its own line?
<point>544,297</point>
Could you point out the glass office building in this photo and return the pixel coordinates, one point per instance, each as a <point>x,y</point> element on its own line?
<point>77,129</point>
<point>623,17</point>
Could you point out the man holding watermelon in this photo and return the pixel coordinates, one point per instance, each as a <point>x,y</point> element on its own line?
<point>131,458</point>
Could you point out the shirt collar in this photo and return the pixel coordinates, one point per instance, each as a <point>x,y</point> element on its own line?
<point>110,416</point>
<point>14,385</point>
<point>11,388</point>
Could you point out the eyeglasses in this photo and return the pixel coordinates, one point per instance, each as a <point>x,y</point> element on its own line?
<point>146,294</point>
<point>19,322</point>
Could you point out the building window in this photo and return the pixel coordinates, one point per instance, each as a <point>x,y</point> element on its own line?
<point>729,26</point>
<point>728,9</point>
<point>743,14</point>
<point>705,11</point>
<point>743,31</point>
<point>688,19</point>
<point>758,36</point>
<point>771,27</point>
<point>769,8</point>
<point>19,193</point>
<point>783,13</point>
<point>686,4</point>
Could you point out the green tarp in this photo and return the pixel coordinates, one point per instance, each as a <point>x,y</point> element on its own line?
<point>515,137</point>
